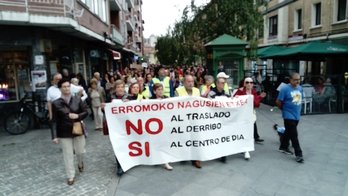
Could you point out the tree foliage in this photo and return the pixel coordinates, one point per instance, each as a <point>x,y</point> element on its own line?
<point>199,25</point>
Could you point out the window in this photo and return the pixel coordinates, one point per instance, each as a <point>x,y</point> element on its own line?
<point>103,10</point>
<point>316,14</point>
<point>273,26</point>
<point>14,75</point>
<point>340,10</point>
<point>96,7</point>
<point>298,20</point>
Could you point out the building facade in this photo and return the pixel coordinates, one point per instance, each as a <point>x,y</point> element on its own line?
<point>292,24</point>
<point>150,50</point>
<point>41,37</point>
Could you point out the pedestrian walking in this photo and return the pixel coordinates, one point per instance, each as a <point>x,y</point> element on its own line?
<point>69,111</point>
<point>289,102</point>
<point>53,93</point>
<point>97,96</point>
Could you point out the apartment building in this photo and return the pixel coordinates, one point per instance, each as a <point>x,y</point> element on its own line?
<point>41,37</point>
<point>309,37</point>
<point>150,50</point>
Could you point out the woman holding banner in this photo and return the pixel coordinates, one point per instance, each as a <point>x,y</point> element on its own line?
<point>119,94</point>
<point>158,94</point>
<point>248,89</point>
<point>134,92</point>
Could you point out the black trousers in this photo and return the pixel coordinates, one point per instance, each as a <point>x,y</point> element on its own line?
<point>256,134</point>
<point>291,134</point>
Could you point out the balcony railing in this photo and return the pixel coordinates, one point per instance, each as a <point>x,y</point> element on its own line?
<point>116,35</point>
<point>130,22</point>
<point>42,7</point>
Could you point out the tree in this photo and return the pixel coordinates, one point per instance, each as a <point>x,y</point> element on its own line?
<point>239,18</point>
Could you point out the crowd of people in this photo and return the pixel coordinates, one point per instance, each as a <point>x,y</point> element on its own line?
<point>155,82</point>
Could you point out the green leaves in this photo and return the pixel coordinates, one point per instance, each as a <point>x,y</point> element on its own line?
<point>199,25</point>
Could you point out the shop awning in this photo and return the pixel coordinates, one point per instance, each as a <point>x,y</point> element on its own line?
<point>115,55</point>
<point>311,48</point>
<point>270,50</point>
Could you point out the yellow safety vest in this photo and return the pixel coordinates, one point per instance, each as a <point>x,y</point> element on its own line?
<point>165,83</point>
<point>226,88</point>
<point>181,91</point>
<point>204,88</point>
<point>146,92</point>
<point>140,97</point>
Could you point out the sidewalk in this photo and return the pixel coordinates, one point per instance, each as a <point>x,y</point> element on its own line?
<point>31,165</point>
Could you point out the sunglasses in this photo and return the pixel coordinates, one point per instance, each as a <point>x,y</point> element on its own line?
<point>247,82</point>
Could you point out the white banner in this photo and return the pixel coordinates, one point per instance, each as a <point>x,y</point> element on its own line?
<point>150,132</point>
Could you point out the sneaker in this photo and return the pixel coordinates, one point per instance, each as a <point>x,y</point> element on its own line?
<point>247,156</point>
<point>168,167</point>
<point>299,159</point>
<point>286,151</point>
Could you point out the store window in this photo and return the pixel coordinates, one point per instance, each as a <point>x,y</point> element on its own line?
<point>14,75</point>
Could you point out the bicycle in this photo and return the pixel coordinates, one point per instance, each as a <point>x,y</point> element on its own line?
<point>19,121</point>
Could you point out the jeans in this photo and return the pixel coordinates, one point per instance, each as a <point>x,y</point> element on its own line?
<point>291,134</point>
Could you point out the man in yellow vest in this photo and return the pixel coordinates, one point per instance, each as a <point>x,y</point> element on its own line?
<point>189,90</point>
<point>168,88</point>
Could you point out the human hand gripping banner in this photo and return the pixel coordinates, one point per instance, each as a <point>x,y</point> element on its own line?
<point>150,132</point>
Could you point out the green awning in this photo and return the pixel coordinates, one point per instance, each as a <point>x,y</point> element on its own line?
<point>311,48</point>
<point>268,51</point>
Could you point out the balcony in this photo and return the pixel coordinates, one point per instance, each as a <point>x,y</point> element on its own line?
<point>130,22</point>
<point>115,5</point>
<point>137,38</point>
<point>116,35</point>
<point>63,8</point>
<point>130,3</point>
<point>60,15</point>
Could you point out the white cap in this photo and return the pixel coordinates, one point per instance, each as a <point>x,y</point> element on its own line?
<point>222,75</point>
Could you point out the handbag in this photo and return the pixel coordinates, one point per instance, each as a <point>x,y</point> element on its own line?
<point>77,128</point>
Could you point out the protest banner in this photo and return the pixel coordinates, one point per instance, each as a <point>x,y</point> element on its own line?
<point>150,132</point>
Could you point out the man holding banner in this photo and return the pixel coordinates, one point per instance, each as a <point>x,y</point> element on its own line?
<point>218,91</point>
<point>189,90</point>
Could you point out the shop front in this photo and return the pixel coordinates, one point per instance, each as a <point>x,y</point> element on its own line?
<point>323,67</point>
<point>30,56</point>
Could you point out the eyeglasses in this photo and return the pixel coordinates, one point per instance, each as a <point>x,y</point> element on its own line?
<point>247,82</point>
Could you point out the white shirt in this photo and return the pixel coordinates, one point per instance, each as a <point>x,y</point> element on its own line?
<point>76,89</point>
<point>53,93</point>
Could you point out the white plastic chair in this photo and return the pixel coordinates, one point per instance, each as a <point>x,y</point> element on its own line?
<point>305,101</point>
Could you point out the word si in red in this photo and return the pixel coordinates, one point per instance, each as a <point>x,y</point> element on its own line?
<point>136,148</point>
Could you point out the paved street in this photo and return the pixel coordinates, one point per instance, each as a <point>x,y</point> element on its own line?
<point>31,165</point>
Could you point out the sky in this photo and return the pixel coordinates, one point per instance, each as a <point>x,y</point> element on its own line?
<point>159,14</point>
